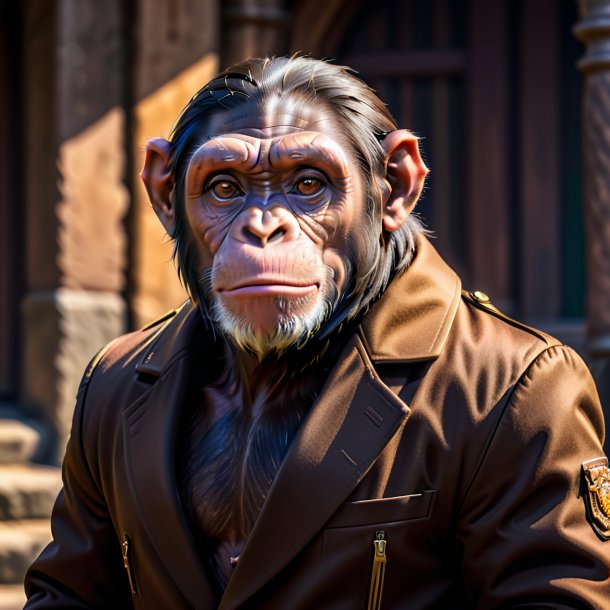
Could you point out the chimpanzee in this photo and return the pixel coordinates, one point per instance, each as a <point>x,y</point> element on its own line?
<point>329,421</point>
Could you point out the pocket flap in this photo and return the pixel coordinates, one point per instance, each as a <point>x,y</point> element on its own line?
<point>384,510</point>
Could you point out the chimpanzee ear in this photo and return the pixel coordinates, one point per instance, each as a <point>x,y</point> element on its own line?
<point>405,173</point>
<point>159,181</point>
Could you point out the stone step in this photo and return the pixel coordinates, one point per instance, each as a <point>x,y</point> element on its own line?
<point>28,491</point>
<point>20,544</point>
<point>18,441</point>
<point>12,597</point>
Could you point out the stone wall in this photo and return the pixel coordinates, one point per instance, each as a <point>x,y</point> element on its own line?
<point>99,80</point>
<point>75,197</point>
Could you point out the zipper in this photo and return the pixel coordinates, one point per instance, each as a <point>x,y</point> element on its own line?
<point>378,571</point>
<point>127,564</point>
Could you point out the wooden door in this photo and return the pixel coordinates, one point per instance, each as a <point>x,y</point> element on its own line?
<point>492,89</point>
<point>11,252</point>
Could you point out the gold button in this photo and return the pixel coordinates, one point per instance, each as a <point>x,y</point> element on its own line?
<point>481,297</point>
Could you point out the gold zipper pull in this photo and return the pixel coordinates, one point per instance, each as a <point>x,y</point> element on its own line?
<point>127,564</point>
<point>378,572</point>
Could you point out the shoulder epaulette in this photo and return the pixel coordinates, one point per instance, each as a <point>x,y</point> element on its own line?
<point>481,301</point>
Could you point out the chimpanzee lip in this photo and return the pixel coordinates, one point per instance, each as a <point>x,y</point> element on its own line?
<point>271,287</point>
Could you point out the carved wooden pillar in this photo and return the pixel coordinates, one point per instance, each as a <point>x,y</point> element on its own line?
<point>593,30</point>
<point>253,28</point>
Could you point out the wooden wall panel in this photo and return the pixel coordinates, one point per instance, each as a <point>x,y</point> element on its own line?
<point>480,82</point>
<point>539,160</point>
<point>487,174</point>
<point>443,198</point>
<point>10,211</point>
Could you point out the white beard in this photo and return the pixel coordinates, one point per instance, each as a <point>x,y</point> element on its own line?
<point>289,330</point>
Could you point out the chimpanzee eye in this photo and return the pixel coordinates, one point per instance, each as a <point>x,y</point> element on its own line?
<point>309,185</point>
<point>225,189</point>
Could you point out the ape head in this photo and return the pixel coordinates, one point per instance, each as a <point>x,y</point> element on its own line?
<point>288,192</point>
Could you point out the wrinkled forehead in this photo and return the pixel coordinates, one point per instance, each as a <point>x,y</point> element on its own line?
<point>249,154</point>
<point>275,137</point>
<point>271,117</point>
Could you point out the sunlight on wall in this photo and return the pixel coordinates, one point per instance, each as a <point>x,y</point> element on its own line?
<point>156,284</point>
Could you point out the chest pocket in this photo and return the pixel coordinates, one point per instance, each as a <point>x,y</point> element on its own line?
<point>350,544</point>
<point>385,510</point>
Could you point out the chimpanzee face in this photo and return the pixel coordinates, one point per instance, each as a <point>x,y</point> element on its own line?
<point>271,203</point>
<point>281,231</point>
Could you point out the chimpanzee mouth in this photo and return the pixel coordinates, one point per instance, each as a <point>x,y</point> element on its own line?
<point>268,287</point>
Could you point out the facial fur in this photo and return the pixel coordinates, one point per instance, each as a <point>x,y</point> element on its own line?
<point>275,215</point>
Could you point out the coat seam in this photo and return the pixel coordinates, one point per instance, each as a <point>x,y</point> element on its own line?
<point>80,405</point>
<point>507,399</point>
<point>452,309</point>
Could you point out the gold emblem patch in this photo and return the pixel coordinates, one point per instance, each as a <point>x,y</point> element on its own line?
<point>596,492</point>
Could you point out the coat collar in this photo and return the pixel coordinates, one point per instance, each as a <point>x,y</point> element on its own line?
<point>409,323</point>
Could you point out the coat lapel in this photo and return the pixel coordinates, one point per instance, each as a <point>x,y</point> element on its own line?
<point>347,428</point>
<point>150,430</point>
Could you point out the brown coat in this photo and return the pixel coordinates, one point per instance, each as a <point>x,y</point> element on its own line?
<point>457,432</point>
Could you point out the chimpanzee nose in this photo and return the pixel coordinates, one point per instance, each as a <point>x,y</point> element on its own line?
<point>261,238</point>
<point>260,227</point>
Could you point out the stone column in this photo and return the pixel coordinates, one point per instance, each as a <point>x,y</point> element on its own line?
<point>75,197</point>
<point>593,30</point>
<point>175,53</point>
<point>253,28</point>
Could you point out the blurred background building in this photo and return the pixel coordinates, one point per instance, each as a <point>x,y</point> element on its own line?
<point>514,115</point>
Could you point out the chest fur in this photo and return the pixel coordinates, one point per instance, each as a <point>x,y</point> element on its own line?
<point>228,459</point>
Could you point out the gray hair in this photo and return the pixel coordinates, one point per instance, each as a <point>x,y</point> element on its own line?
<point>364,121</point>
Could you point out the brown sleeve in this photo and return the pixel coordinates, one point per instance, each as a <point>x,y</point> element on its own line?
<point>82,567</point>
<point>523,531</point>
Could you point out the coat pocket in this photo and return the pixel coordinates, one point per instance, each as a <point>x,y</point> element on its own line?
<point>385,510</point>
<point>367,546</point>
